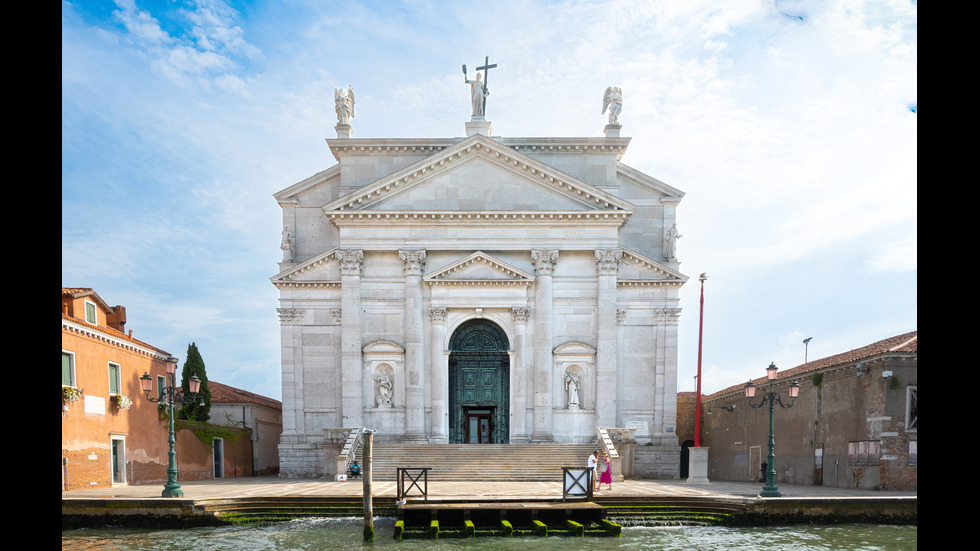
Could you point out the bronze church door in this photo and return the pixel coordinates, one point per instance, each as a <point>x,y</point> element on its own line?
<point>479,384</point>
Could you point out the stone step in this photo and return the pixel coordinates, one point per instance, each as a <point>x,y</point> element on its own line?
<point>478,462</point>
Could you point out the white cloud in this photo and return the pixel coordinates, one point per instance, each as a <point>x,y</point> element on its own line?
<point>790,136</point>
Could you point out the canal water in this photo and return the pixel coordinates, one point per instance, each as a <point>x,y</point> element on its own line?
<point>346,534</point>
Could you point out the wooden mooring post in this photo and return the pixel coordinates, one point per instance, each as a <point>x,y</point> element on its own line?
<point>368,503</point>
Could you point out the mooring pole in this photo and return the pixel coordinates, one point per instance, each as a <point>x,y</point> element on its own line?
<point>368,503</point>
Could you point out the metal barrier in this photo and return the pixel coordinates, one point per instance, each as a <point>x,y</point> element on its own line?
<point>577,482</point>
<point>423,473</point>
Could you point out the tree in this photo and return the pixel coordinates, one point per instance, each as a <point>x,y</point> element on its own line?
<point>194,365</point>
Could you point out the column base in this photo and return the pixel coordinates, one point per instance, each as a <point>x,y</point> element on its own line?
<point>697,468</point>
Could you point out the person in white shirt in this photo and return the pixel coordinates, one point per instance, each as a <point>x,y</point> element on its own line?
<point>593,460</point>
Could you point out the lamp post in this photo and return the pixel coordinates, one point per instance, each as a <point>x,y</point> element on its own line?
<point>697,407</point>
<point>772,398</point>
<point>171,395</point>
<point>806,347</point>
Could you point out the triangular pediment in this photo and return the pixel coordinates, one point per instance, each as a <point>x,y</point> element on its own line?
<point>478,175</point>
<point>321,271</point>
<point>637,269</point>
<point>479,268</point>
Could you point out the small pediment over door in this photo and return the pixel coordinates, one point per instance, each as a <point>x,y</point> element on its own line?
<point>479,281</point>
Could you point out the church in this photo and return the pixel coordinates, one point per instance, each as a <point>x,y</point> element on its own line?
<point>477,290</point>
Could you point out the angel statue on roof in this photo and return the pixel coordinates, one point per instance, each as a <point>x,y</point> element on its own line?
<point>344,103</point>
<point>612,101</point>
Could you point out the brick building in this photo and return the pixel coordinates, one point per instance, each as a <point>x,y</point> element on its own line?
<point>260,415</point>
<point>110,433</point>
<point>855,423</point>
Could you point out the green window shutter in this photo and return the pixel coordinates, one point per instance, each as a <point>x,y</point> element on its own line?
<point>90,313</point>
<point>66,378</point>
<point>113,379</point>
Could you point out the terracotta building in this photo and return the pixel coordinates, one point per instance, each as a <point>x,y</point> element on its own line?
<point>854,424</point>
<point>110,433</point>
<point>260,415</point>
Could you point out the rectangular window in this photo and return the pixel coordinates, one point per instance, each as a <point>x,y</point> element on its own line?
<point>114,378</point>
<point>864,452</point>
<point>90,313</point>
<point>67,369</point>
<point>161,384</point>
<point>912,408</point>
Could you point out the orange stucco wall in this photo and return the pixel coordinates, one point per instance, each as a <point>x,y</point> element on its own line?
<point>90,424</point>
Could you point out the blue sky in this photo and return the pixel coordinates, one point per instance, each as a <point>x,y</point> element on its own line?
<point>790,126</point>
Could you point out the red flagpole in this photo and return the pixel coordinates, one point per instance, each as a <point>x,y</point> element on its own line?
<point>697,410</point>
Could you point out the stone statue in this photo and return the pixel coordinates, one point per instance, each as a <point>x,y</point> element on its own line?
<point>478,93</point>
<point>572,386</point>
<point>344,104</point>
<point>612,101</point>
<point>384,391</point>
<point>286,246</point>
<point>670,242</point>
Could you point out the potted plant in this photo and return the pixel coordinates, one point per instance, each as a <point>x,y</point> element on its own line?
<point>71,394</point>
<point>123,401</point>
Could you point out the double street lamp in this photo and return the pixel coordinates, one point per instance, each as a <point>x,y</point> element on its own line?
<point>772,398</point>
<point>172,395</point>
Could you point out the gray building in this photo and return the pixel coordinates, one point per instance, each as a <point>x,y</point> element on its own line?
<point>854,424</point>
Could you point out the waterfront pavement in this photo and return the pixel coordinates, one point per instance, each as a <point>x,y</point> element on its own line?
<point>273,487</point>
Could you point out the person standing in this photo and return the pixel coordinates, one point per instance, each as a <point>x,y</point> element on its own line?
<point>606,474</point>
<point>593,460</point>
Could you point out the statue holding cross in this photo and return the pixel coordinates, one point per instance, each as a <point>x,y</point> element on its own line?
<point>478,88</point>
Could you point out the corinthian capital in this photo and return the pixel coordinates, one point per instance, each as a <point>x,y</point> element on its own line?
<point>350,261</point>
<point>544,260</point>
<point>608,260</point>
<point>414,260</point>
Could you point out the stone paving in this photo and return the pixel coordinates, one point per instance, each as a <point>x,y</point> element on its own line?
<point>271,486</point>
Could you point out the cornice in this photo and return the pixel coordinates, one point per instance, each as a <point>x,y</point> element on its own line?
<point>280,284</point>
<point>369,217</point>
<point>99,334</point>
<point>488,149</point>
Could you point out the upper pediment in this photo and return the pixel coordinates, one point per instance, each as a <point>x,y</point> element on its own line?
<point>478,175</point>
<point>479,268</point>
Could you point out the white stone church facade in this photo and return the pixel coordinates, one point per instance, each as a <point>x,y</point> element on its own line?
<point>477,289</point>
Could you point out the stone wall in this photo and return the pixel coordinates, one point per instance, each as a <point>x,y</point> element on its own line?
<point>658,462</point>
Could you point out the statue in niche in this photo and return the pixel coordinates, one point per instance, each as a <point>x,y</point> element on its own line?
<point>612,101</point>
<point>286,246</point>
<point>384,391</point>
<point>344,104</point>
<point>670,242</point>
<point>571,387</point>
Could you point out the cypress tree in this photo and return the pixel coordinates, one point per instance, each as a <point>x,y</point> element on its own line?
<point>194,365</point>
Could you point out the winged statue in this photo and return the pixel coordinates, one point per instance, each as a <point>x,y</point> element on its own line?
<point>612,101</point>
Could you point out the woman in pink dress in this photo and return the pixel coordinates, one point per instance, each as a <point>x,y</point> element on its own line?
<point>606,477</point>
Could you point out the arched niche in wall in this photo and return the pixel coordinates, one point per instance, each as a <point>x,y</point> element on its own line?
<point>575,365</point>
<point>384,361</point>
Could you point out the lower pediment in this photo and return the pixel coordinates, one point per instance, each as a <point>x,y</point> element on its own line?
<point>479,269</point>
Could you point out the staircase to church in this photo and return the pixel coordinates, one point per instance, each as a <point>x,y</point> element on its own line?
<point>478,462</point>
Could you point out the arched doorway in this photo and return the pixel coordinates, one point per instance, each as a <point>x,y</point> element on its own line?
<point>479,384</point>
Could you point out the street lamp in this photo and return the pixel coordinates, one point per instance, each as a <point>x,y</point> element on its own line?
<point>772,398</point>
<point>172,395</point>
